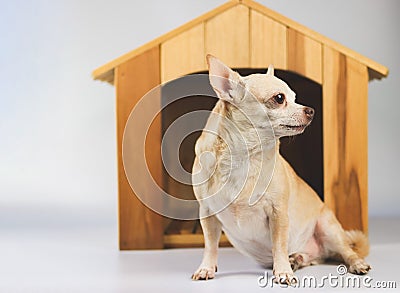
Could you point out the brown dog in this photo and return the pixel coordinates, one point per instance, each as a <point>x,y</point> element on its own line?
<point>248,190</point>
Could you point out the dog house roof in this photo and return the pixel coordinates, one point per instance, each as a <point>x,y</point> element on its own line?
<point>376,70</point>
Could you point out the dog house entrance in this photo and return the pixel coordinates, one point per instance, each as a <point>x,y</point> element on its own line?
<point>304,152</point>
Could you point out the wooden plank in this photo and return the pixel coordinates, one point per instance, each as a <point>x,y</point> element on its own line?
<point>267,42</point>
<point>227,36</point>
<point>182,227</point>
<point>190,240</point>
<point>345,97</point>
<point>183,54</point>
<point>104,71</point>
<point>304,55</point>
<point>107,76</point>
<point>379,70</point>
<point>139,227</point>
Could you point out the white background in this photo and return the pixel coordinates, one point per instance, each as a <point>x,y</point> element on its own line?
<point>57,125</point>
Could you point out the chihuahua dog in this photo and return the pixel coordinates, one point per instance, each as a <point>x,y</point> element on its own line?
<point>248,190</point>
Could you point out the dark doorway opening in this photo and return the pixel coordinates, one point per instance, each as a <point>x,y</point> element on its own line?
<point>304,152</point>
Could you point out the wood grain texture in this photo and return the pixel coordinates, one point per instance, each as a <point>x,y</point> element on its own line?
<point>183,54</point>
<point>106,71</point>
<point>139,227</point>
<point>190,240</point>
<point>227,36</point>
<point>345,98</point>
<point>304,55</point>
<point>267,42</point>
<point>378,71</point>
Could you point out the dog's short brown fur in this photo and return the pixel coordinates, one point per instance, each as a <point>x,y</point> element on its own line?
<point>248,190</point>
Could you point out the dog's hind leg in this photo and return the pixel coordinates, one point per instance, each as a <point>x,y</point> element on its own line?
<point>337,244</point>
<point>300,260</point>
<point>311,254</point>
<point>212,231</point>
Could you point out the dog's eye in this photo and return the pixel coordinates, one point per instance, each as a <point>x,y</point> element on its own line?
<point>279,98</point>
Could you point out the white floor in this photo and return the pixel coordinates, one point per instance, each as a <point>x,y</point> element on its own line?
<point>84,258</point>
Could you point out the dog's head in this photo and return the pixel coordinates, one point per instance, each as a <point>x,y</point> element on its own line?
<point>264,99</point>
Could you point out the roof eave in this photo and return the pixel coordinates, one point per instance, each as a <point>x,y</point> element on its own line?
<point>376,70</point>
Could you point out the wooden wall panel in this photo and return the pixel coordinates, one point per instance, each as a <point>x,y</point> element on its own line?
<point>139,227</point>
<point>183,54</point>
<point>267,42</point>
<point>304,55</point>
<point>345,98</point>
<point>227,36</point>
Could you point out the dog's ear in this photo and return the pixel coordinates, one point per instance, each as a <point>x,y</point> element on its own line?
<point>270,70</point>
<point>227,83</point>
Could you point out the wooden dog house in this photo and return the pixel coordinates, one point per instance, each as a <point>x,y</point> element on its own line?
<point>248,37</point>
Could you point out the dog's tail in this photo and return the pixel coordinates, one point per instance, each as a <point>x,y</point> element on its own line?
<point>359,242</point>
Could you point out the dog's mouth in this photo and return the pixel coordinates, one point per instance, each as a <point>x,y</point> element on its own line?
<point>294,127</point>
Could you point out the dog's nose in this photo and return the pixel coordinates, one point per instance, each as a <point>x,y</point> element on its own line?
<point>309,112</point>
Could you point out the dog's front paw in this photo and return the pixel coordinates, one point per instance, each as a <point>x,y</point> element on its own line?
<point>204,273</point>
<point>286,278</point>
<point>359,267</point>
